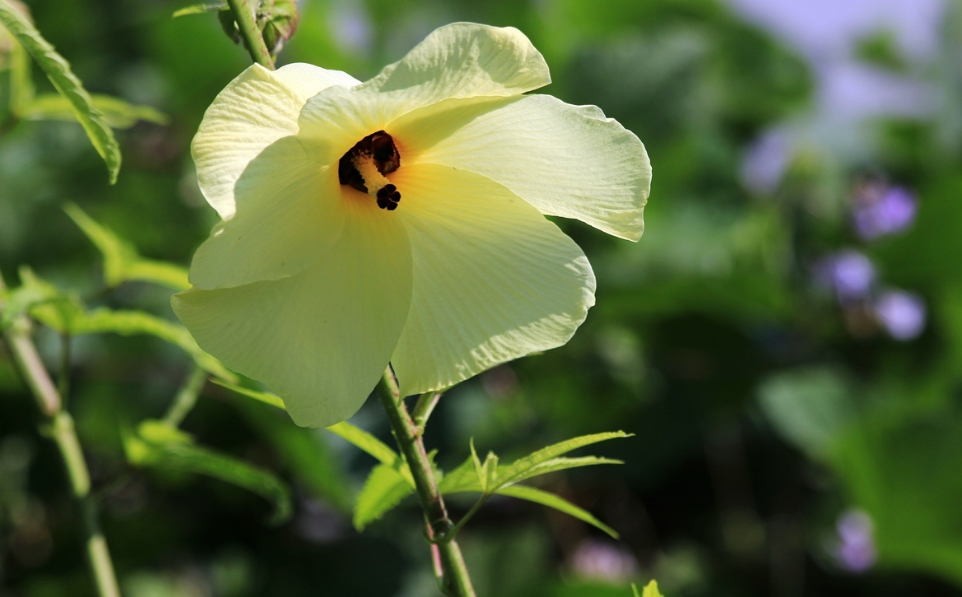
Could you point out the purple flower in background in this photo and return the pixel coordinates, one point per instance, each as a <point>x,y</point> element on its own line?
<point>881,209</point>
<point>603,561</point>
<point>901,313</point>
<point>764,163</point>
<point>849,273</point>
<point>855,550</point>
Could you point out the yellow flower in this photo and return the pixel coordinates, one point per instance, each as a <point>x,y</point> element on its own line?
<point>400,220</point>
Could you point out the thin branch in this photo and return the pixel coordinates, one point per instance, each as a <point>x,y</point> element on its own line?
<point>61,428</point>
<point>187,396</point>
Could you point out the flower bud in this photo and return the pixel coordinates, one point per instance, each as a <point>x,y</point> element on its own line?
<point>277,20</point>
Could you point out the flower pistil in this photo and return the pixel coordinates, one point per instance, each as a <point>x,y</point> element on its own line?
<point>364,168</point>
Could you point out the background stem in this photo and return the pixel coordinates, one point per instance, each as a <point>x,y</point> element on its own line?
<point>455,579</point>
<point>245,18</point>
<point>61,428</point>
<point>187,396</point>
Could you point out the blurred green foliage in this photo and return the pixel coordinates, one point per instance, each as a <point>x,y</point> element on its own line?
<point>762,406</point>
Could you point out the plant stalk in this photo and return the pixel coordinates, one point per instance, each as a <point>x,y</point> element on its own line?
<point>61,428</point>
<point>244,16</point>
<point>454,579</point>
<point>187,396</point>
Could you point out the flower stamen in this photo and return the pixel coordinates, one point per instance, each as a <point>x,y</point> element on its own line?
<point>364,168</point>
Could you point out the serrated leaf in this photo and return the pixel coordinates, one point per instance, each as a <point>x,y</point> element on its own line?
<point>122,263</point>
<point>156,444</point>
<point>462,479</point>
<point>384,489</point>
<point>479,468</point>
<point>557,464</point>
<point>551,500</point>
<point>198,9</point>
<point>117,113</point>
<point>514,471</point>
<point>67,84</point>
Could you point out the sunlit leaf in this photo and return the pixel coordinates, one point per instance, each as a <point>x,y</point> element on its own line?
<point>350,433</point>
<point>517,469</point>
<point>122,263</point>
<point>551,500</point>
<point>156,444</point>
<point>462,479</point>
<point>650,590</point>
<point>557,464</point>
<point>118,113</point>
<point>18,301</point>
<point>197,9</point>
<point>66,314</point>
<point>67,84</point>
<point>384,489</point>
<point>366,442</point>
<point>265,397</point>
<point>21,85</point>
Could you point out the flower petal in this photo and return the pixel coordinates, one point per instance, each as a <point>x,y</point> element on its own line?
<point>493,279</point>
<point>254,110</point>
<point>289,212</point>
<point>320,339</point>
<point>565,160</point>
<point>460,60</point>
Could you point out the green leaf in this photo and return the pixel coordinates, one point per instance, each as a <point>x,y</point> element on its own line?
<point>558,464</point>
<point>651,590</point>
<point>197,9</point>
<point>462,479</point>
<point>66,314</point>
<point>67,84</point>
<point>18,301</point>
<point>519,468</point>
<point>551,500</point>
<point>122,263</point>
<point>159,445</point>
<point>305,453</point>
<point>353,435</point>
<point>265,397</point>
<point>118,113</point>
<point>807,407</point>
<point>367,442</point>
<point>21,85</point>
<point>384,489</point>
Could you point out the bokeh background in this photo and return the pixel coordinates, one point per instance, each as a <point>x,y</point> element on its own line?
<point>785,341</point>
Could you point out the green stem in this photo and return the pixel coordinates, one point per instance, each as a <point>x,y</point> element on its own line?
<point>455,580</point>
<point>464,519</point>
<point>63,381</point>
<point>423,409</point>
<point>246,21</point>
<point>186,397</point>
<point>62,430</point>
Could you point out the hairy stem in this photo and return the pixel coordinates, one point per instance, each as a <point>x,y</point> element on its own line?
<point>244,17</point>
<point>454,579</point>
<point>61,429</point>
